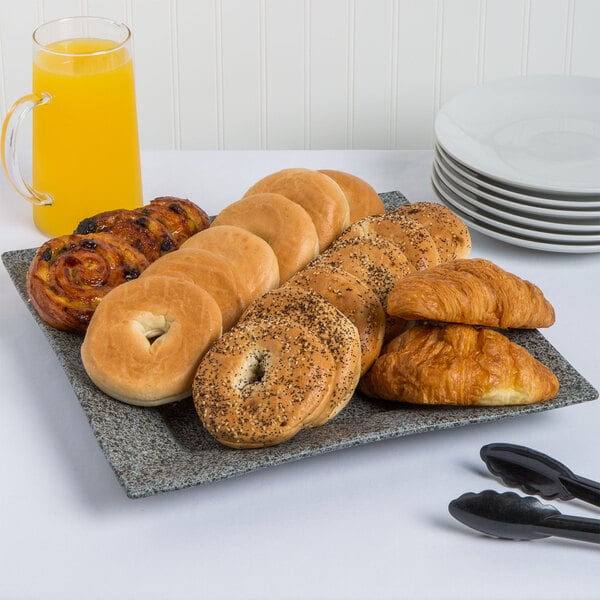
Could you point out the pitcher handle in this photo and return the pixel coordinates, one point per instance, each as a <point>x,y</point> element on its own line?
<point>10,129</point>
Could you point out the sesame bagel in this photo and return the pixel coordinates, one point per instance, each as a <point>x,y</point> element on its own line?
<point>413,239</point>
<point>309,309</point>
<point>352,298</point>
<point>261,382</point>
<point>180,216</point>
<point>375,261</point>
<point>448,230</point>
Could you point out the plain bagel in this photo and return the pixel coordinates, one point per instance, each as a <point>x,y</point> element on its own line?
<point>248,255</point>
<point>362,198</point>
<point>283,224</point>
<point>146,338</point>
<point>319,195</point>
<point>208,271</point>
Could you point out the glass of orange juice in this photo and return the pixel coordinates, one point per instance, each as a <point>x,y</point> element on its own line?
<point>85,149</point>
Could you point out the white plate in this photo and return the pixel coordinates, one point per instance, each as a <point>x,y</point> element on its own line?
<point>487,203</point>
<point>493,231</point>
<point>574,202</point>
<point>538,132</point>
<point>508,227</point>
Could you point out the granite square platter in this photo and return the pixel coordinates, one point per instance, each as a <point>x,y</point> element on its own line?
<point>153,450</point>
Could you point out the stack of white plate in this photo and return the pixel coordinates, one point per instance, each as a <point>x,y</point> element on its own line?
<point>519,160</point>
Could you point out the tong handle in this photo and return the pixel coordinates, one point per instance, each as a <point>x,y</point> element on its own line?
<point>582,488</point>
<point>582,529</point>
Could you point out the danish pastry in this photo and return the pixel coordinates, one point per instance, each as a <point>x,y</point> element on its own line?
<point>70,274</point>
<point>180,216</point>
<point>144,233</point>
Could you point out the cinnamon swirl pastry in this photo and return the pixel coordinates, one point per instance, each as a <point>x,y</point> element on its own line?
<point>180,216</point>
<point>145,233</point>
<point>70,274</point>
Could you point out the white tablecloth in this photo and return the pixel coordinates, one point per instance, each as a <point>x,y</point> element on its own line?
<point>368,522</point>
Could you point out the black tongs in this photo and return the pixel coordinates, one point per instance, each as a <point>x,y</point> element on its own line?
<point>537,473</point>
<point>510,516</point>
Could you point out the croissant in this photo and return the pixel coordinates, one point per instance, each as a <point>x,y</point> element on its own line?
<point>70,274</point>
<point>471,291</point>
<point>458,365</point>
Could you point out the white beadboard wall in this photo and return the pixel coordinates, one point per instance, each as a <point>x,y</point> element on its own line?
<point>295,74</point>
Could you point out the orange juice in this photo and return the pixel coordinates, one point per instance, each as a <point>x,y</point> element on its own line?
<point>85,139</point>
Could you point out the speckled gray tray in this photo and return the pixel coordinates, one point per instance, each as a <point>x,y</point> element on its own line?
<point>165,448</point>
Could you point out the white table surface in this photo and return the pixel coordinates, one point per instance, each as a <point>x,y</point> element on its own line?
<point>368,522</point>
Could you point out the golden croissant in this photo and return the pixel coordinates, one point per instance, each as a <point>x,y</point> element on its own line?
<point>458,365</point>
<point>471,291</point>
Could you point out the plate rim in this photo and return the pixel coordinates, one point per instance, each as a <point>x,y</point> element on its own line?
<point>515,198</point>
<point>453,137</point>
<point>508,238</point>
<point>559,238</point>
<point>479,201</point>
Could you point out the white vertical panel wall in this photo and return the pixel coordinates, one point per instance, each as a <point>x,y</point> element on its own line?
<point>241,74</point>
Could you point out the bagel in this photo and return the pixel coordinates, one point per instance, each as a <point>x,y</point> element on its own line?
<point>261,381</point>
<point>352,298</point>
<point>450,233</point>
<point>377,262</point>
<point>283,224</point>
<point>362,198</point>
<point>146,338</point>
<point>319,195</point>
<point>247,254</point>
<point>209,271</point>
<point>414,239</point>
<point>309,309</point>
